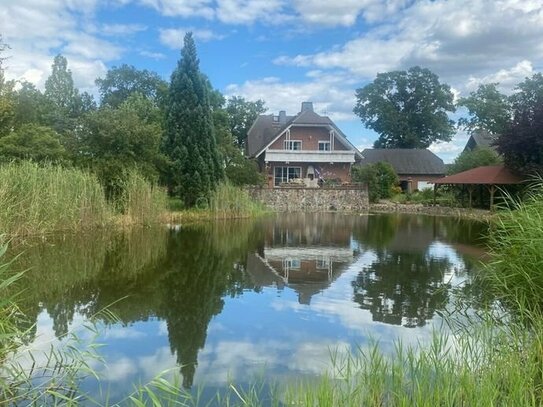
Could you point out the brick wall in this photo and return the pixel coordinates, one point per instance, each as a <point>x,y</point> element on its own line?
<point>309,136</point>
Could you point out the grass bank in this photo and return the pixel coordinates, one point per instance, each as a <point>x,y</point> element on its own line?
<point>226,202</point>
<point>40,199</point>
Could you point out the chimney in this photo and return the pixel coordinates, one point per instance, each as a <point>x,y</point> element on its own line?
<point>282,117</point>
<point>307,106</point>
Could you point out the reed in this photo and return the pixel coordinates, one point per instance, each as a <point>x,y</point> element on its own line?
<point>229,201</point>
<point>141,201</point>
<point>515,275</point>
<point>37,199</point>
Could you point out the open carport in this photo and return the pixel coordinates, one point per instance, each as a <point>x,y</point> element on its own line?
<point>491,177</point>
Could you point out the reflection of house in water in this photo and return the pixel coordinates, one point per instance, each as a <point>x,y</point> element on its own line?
<point>307,270</point>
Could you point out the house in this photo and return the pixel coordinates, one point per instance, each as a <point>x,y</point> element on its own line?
<point>480,139</point>
<point>416,168</point>
<point>306,149</point>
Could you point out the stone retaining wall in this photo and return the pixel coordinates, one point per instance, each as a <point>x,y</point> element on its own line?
<point>294,199</point>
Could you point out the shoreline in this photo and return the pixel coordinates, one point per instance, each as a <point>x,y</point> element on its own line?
<point>420,209</point>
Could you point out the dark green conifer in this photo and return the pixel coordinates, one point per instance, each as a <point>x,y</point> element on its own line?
<point>189,140</point>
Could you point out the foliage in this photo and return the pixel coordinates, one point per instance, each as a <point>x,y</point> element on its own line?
<point>31,105</point>
<point>380,178</point>
<point>45,198</point>
<point>34,142</point>
<point>141,201</point>
<point>521,144</point>
<point>517,253</point>
<point>408,109</point>
<point>229,201</point>
<point>488,108</point>
<point>7,102</point>
<point>66,104</point>
<point>477,157</point>
<point>242,114</point>
<point>189,142</point>
<point>121,82</point>
<point>113,141</point>
<point>243,171</point>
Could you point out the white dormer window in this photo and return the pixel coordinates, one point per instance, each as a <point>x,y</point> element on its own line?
<point>324,146</point>
<point>293,145</point>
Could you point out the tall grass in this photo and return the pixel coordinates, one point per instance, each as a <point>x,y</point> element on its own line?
<point>43,198</point>
<point>516,273</point>
<point>142,202</point>
<point>229,201</point>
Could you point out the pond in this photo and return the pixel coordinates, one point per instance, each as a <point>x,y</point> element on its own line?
<point>230,301</point>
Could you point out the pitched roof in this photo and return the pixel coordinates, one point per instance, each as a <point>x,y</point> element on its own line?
<point>480,138</point>
<point>406,161</point>
<point>486,175</point>
<point>265,129</point>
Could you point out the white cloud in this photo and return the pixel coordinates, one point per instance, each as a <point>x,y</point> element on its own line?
<point>38,30</point>
<point>332,95</point>
<point>152,55</point>
<point>173,37</point>
<point>251,11</point>
<point>345,12</point>
<point>182,8</point>
<point>122,29</point>
<point>455,39</point>
<point>507,78</point>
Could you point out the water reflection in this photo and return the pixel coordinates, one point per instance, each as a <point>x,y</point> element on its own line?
<point>268,291</point>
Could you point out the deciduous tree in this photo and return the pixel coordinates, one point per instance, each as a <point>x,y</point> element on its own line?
<point>125,80</point>
<point>242,114</point>
<point>521,144</point>
<point>408,109</point>
<point>488,108</point>
<point>477,157</point>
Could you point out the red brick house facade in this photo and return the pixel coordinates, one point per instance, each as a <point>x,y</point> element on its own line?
<point>306,149</point>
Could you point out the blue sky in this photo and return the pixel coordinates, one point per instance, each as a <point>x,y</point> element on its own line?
<point>283,51</point>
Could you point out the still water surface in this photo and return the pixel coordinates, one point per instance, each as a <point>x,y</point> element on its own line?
<point>226,301</point>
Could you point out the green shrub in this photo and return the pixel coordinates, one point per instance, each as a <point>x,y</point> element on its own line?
<point>380,178</point>
<point>229,201</point>
<point>477,157</point>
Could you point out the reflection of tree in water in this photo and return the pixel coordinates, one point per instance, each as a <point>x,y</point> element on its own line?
<point>195,279</point>
<point>403,285</point>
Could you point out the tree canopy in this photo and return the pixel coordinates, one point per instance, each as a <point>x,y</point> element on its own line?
<point>488,108</point>
<point>33,142</point>
<point>121,82</point>
<point>477,157</point>
<point>521,144</point>
<point>408,109</point>
<point>243,114</point>
<point>189,140</point>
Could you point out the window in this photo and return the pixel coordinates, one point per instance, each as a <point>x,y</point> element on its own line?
<point>324,146</point>
<point>285,174</point>
<point>293,145</point>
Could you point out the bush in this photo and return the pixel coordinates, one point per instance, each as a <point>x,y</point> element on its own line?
<point>380,178</point>
<point>242,171</point>
<point>477,157</point>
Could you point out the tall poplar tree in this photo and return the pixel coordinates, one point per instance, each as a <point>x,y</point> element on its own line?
<point>189,140</point>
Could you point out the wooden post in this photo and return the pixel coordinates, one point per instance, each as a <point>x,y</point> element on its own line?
<point>470,194</point>
<point>435,193</point>
<point>492,190</point>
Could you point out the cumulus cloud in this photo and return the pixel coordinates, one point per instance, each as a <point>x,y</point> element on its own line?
<point>332,95</point>
<point>455,39</point>
<point>181,8</point>
<point>37,30</point>
<point>173,37</point>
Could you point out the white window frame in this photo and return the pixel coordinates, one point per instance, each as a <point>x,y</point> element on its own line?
<point>324,143</point>
<point>288,145</point>
<point>284,178</point>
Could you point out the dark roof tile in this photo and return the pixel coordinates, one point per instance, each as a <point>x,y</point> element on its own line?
<point>406,161</point>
